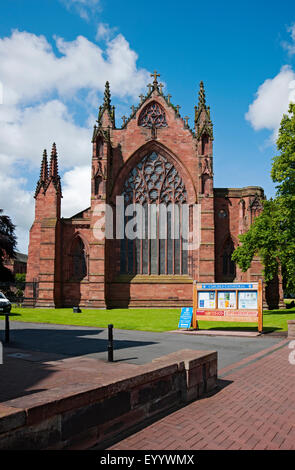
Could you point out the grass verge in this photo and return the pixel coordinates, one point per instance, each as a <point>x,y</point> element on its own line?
<point>152,319</point>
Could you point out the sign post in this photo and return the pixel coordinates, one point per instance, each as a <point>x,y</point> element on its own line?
<point>234,302</point>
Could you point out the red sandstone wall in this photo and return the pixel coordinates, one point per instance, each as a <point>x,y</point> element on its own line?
<point>120,149</point>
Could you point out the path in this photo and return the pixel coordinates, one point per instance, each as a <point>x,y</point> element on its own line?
<point>254,409</point>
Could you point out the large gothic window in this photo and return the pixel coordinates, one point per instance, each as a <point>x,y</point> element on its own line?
<point>155,186</point>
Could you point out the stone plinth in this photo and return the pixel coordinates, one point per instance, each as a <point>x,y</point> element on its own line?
<point>81,415</point>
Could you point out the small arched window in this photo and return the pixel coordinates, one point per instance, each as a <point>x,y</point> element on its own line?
<point>205,144</point>
<point>255,207</point>
<point>78,260</point>
<point>99,148</point>
<point>228,265</point>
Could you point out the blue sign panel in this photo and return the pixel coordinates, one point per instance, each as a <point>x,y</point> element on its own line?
<point>185,317</point>
<point>227,286</point>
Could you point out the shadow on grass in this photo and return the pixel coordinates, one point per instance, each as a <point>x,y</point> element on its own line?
<point>287,311</point>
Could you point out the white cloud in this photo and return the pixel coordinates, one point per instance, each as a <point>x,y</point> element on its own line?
<point>30,71</point>
<point>272,101</point>
<point>39,89</point>
<point>290,46</point>
<point>35,128</point>
<point>85,8</point>
<point>104,32</point>
<point>76,187</point>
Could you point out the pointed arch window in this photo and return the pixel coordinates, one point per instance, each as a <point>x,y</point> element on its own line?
<point>228,265</point>
<point>155,184</point>
<point>255,207</point>
<point>78,260</point>
<point>152,116</point>
<point>205,143</point>
<point>99,148</point>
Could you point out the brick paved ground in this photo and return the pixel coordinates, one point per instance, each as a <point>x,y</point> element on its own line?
<point>254,409</point>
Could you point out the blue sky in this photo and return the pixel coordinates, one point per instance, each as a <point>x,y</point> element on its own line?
<point>53,83</point>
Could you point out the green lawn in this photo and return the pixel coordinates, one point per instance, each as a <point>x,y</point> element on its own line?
<point>143,319</point>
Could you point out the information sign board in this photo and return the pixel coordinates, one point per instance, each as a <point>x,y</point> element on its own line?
<point>235,302</point>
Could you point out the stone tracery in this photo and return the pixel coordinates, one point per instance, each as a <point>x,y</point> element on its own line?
<point>154,179</point>
<point>152,116</point>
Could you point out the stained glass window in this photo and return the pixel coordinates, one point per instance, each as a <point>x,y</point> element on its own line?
<point>155,184</point>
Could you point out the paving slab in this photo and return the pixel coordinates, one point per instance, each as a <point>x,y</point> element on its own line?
<point>253,409</point>
<point>245,334</point>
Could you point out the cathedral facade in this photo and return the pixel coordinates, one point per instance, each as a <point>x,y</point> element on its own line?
<point>153,161</point>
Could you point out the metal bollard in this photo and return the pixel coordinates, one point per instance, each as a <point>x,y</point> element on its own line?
<point>7,328</point>
<point>110,345</point>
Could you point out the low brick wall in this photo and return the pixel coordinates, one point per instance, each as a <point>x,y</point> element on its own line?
<point>291,329</point>
<point>80,416</point>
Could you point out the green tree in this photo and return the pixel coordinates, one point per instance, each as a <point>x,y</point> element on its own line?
<point>272,234</point>
<point>7,245</point>
<point>20,280</point>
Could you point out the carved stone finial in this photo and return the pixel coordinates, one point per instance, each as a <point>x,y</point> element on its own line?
<point>160,86</point>
<point>141,98</point>
<point>177,109</point>
<point>202,99</point>
<point>124,120</point>
<point>150,86</point>
<point>168,98</point>
<point>186,118</point>
<point>107,96</point>
<point>53,162</point>
<point>44,167</point>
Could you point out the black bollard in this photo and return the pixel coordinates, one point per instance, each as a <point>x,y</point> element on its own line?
<point>110,345</point>
<point>7,328</point>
